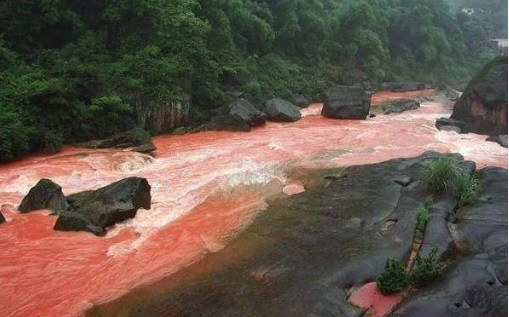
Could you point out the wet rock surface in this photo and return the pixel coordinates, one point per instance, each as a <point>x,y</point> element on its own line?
<point>281,110</point>
<point>302,255</point>
<point>483,104</point>
<point>346,102</point>
<point>44,195</point>
<point>240,115</point>
<point>94,211</point>
<point>300,101</point>
<point>2,218</point>
<point>136,139</point>
<point>399,106</point>
<point>500,139</point>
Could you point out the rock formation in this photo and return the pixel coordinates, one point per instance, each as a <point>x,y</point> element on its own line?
<point>240,115</point>
<point>44,195</point>
<point>281,110</point>
<point>346,102</point>
<point>137,139</point>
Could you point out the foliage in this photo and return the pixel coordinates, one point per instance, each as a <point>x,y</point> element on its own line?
<point>466,188</point>
<point>393,279</point>
<point>426,269</point>
<point>73,70</point>
<point>422,219</point>
<point>439,174</point>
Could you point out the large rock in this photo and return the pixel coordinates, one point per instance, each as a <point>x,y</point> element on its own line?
<point>300,101</point>
<point>399,106</point>
<point>137,139</point>
<point>346,102</point>
<point>483,105</point>
<point>500,139</point>
<point>404,86</point>
<point>448,124</point>
<point>240,115</point>
<point>106,206</point>
<point>44,195</point>
<point>2,218</point>
<point>302,255</point>
<point>281,110</point>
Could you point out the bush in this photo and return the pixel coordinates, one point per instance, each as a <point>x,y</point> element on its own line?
<point>438,175</point>
<point>52,141</point>
<point>422,219</point>
<point>393,279</point>
<point>426,269</point>
<point>466,188</point>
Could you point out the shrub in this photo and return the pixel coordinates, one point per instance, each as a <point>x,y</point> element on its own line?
<point>466,188</point>
<point>438,175</point>
<point>422,219</point>
<point>393,279</point>
<point>426,269</point>
<point>52,141</point>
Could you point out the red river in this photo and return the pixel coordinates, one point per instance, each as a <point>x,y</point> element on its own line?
<point>205,187</point>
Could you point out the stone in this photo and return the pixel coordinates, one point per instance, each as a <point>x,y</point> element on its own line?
<point>105,206</point>
<point>137,139</point>
<point>346,102</point>
<point>300,101</point>
<point>44,195</point>
<point>281,111</point>
<point>500,139</point>
<point>483,104</point>
<point>448,124</point>
<point>238,116</point>
<point>2,218</point>
<point>399,106</point>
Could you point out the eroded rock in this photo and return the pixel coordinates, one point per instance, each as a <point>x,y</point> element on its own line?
<point>44,195</point>
<point>346,102</point>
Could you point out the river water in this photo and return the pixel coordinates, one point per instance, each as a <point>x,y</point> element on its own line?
<point>205,188</point>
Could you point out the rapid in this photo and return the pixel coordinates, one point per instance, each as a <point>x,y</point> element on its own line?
<point>205,188</point>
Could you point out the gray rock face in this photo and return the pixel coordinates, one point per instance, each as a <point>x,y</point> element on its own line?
<point>346,102</point>
<point>300,101</point>
<point>94,211</point>
<point>483,104</point>
<point>448,124</point>
<point>137,139</point>
<point>399,106</point>
<point>281,110</point>
<point>44,195</point>
<point>500,139</point>
<point>238,116</point>
<point>301,255</point>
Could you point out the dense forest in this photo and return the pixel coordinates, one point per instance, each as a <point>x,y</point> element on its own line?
<point>73,70</point>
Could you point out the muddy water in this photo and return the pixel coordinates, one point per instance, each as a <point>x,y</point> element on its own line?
<point>205,188</point>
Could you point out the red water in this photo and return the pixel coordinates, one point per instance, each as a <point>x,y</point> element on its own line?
<point>205,187</point>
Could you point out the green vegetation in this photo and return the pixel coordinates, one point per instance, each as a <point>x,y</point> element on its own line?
<point>73,70</point>
<point>422,219</point>
<point>426,269</point>
<point>393,279</point>
<point>445,175</point>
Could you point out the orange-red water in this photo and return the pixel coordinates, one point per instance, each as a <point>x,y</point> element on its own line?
<point>205,187</point>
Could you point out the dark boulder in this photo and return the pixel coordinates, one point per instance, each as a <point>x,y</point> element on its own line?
<point>300,101</point>
<point>258,100</point>
<point>240,115</point>
<point>399,106</point>
<point>106,206</point>
<point>72,221</point>
<point>346,102</point>
<point>500,139</point>
<point>483,104</point>
<point>137,139</point>
<point>281,110</point>
<point>2,218</point>
<point>405,86</point>
<point>448,124</point>
<point>44,195</point>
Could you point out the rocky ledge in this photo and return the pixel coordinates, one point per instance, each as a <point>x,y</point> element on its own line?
<point>303,255</point>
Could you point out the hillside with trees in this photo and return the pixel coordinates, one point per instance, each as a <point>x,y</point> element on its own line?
<point>74,70</point>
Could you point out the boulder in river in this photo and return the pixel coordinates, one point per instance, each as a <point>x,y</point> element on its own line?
<point>483,105</point>
<point>137,139</point>
<point>448,124</point>
<point>346,102</point>
<point>44,195</point>
<point>282,110</point>
<point>500,139</point>
<point>105,206</point>
<point>2,218</point>
<point>399,106</point>
<point>405,86</point>
<point>300,101</point>
<point>240,115</point>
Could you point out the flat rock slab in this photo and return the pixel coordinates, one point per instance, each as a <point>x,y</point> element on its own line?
<point>302,255</point>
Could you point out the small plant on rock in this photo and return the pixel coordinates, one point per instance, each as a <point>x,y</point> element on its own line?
<point>438,175</point>
<point>422,219</point>
<point>466,189</point>
<point>393,279</point>
<point>426,269</point>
